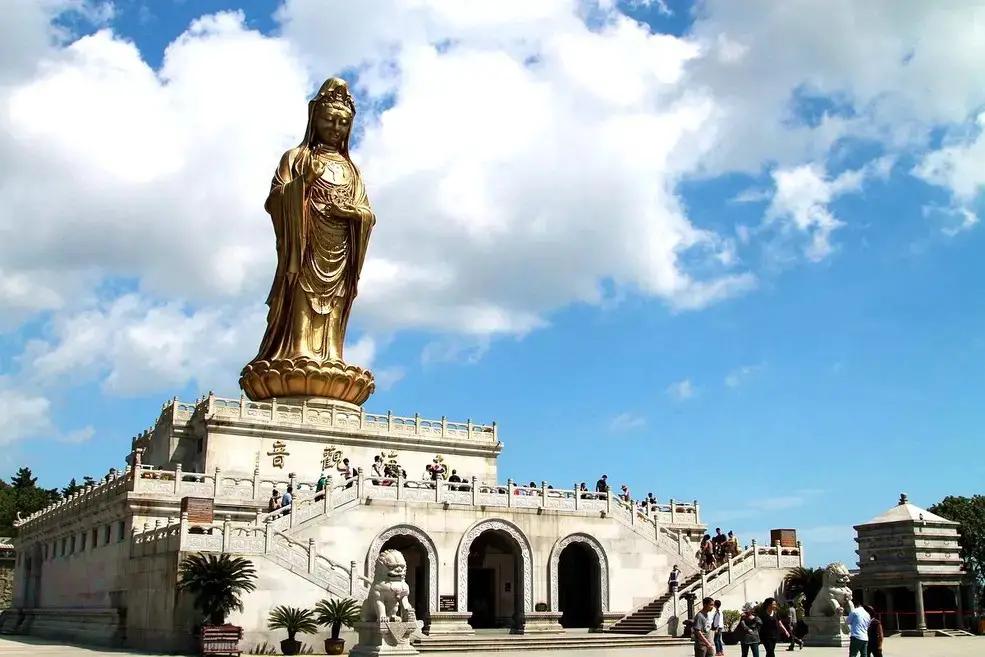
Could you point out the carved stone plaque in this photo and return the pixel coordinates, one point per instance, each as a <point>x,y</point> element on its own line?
<point>200,509</point>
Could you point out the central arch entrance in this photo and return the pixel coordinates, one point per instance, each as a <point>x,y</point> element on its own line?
<point>494,578</point>
<point>422,566</point>
<point>578,587</point>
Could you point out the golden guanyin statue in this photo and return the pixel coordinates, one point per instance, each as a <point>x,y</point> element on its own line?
<point>322,221</point>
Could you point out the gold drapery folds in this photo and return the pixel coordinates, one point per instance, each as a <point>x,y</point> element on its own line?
<point>322,222</point>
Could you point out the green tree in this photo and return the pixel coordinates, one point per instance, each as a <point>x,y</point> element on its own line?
<point>22,495</point>
<point>969,513</point>
<point>72,488</point>
<point>806,581</point>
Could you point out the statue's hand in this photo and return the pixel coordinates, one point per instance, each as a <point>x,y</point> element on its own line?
<point>314,172</point>
<point>347,212</point>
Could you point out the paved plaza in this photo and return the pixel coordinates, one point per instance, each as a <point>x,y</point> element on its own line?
<point>895,647</point>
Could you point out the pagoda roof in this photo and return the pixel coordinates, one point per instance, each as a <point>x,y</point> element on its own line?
<point>906,512</point>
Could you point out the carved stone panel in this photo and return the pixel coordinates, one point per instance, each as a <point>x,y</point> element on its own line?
<point>555,561</point>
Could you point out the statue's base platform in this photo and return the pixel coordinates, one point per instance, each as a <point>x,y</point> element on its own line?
<point>450,623</point>
<point>826,632</point>
<point>386,638</point>
<point>263,380</point>
<point>541,622</point>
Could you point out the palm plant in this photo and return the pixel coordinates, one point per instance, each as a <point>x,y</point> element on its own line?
<point>216,583</point>
<point>336,613</point>
<point>292,619</point>
<point>803,581</point>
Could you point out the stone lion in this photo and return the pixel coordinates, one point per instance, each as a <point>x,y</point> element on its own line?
<point>388,599</point>
<point>835,596</point>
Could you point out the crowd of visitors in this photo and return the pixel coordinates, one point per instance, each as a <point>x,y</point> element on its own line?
<point>716,550</point>
<point>760,625</point>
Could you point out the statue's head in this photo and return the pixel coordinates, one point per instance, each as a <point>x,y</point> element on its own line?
<point>332,112</point>
<point>390,567</point>
<point>836,576</point>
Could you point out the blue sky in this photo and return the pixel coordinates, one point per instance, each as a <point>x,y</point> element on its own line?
<point>810,392</point>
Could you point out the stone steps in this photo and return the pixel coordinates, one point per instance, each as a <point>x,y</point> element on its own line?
<point>643,620</point>
<point>521,642</point>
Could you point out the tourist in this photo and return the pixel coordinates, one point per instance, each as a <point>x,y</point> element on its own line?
<point>707,553</point>
<point>858,629</point>
<point>801,625</point>
<point>583,489</point>
<point>320,484</point>
<point>733,545</point>
<point>875,632</point>
<point>624,494</point>
<point>347,472</point>
<point>675,579</point>
<point>287,500</point>
<point>718,544</point>
<point>792,628</point>
<point>772,630</point>
<point>379,470</point>
<point>602,485</point>
<point>702,631</point>
<point>748,630</point>
<point>716,624</point>
<point>274,502</point>
<point>455,479</point>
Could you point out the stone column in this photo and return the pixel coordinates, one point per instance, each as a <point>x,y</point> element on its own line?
<point>890,611</point>
<point>918,599</point>
<point>959,606</point>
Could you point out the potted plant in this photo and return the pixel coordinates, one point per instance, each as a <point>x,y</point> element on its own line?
<point>216,583</point>
<point>730,618</point>
<point>335,614</point>
<point>294,620</point>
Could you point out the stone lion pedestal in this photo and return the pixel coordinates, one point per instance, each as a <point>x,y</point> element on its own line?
<point>826,624</point>
<point>388,620</point>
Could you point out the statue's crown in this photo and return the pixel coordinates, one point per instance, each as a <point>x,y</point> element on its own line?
<point>337,98</point>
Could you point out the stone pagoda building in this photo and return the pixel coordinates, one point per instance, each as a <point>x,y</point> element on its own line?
<point>910,570</point>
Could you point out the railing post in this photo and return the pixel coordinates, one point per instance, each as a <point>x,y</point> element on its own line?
<point>438,485</point>
<point>577,496</point>
<point>800,553</point>
<point>183,530</point>
<point>468,428</point>
<point>697,513</point>
<point>304,411</point>
<point>268,538</point>
<point>495,433</point>
<point>444,426</point>
<point>256,478</point>
<point>362,418</point>
<point>632,513</point>
<point>292,481</point>
<point>417,423</point>
<point>211,408</point>
<point>728,569</point>
<point>475,480</point>
<point>673,512</point>
<point>608,500</point>
<point>242,406</point>
<point>400,483</point>
<point>389,421</point>
<point>227,533</point>
<point>509,492</point>
<point>352,577</point>
<point>327,500</point>
<point>543,494</point>
<point>360,483</point>
<point>217,483</point>
<point>755,555</point>
<point>776,545</point>
<point>311,555</point>
<point>331,416</point>
<point>177,479</point>
<point>292,512</point>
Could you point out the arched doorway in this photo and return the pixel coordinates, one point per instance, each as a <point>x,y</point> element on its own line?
<point>578,587</point>
<point>494,575</point>
<point>579,581</point>
<point>422,566</point>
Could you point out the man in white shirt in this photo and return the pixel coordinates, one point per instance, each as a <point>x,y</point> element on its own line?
<point>858,626</point>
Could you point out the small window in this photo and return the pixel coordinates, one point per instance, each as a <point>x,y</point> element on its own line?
<point>95,537</point>
<point>64,545</point>
<point>83,546</point>
<point>71,544</point>
<point>106,531</point>
<point>122,529</point>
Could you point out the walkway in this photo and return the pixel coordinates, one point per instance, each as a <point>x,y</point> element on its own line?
<point>895,647</point>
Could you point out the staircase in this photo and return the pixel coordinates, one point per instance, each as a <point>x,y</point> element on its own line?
<point>483,642</point>
<point>645,619</point>
<point>953,633</point>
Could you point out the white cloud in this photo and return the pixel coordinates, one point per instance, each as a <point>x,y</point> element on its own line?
<point>739,375</point>
<point>625,422</point>
<point>681,390</point>
<point>25,415</point>
<point>518,167</point>
<point>78,436</point>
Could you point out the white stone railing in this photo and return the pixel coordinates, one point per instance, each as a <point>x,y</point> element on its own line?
<point>251,540</point>
<point>328,416</point>
<point>733,571</point>
<point>93,495</point>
